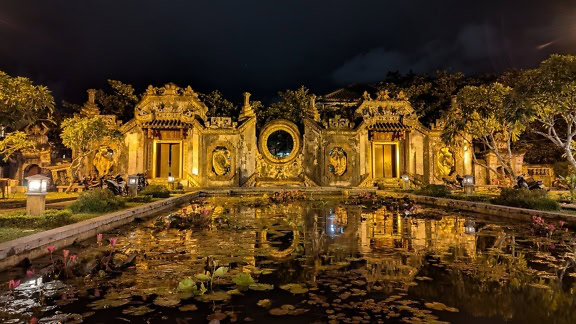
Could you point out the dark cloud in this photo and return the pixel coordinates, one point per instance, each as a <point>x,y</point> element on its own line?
<point>474,49</point>
<point>266,46</point>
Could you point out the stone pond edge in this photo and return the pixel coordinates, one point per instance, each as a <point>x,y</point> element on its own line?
<point>33,246</point>
<point>485,208</point>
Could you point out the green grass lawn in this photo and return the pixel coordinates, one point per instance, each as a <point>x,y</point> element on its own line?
<point>21,197</point>
<point>17,224</point>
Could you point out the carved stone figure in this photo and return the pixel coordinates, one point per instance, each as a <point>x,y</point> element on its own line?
<point>338,161</point>
<point>104,161</point>
<point>445,163</point>
<point>221,161</point>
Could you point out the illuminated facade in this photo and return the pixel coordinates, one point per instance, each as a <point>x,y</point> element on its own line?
<point>349,138</point>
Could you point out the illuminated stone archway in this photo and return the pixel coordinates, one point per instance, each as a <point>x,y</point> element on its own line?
<point>280,130</point>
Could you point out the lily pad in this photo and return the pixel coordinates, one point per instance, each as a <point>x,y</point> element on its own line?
<point>108,303</point>
<point>215,296</point>
<point>137,310</point>
<point>243,279</point>
<point>264,303</point>
<point>261,286</point>
<point>440,307</point>
<point>295,288</point>
<point>167,301</point>
<point>188,308</point>
<point>278,312</point>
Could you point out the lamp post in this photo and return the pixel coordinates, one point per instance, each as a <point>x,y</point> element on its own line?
<point>171,182</point>
<point>468,183</point>
<point>132,185</point>
<point>36,194</point>
<point>405,181</point>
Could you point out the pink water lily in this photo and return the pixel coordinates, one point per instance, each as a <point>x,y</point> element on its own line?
<point>51,249</point>
<point>33,320</point>
<point>73,258</point>
<point>30,272</point>
<point>561,223</point>
<point>113,241</point>
<point>99,239</point>
<point>13,284</point>
<point>66,253</point>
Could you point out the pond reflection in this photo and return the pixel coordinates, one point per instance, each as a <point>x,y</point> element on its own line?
<point>321,260</point>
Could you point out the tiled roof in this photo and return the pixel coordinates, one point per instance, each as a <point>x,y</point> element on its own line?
<point>166,124</point>
<point>388,127</point>
<point>351,92</point>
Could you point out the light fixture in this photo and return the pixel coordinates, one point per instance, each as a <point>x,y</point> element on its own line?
<point>405,181</point>
<point>37,184</point>
<point>36,191</point>
<point>132,185</point>
<point>468,183</point>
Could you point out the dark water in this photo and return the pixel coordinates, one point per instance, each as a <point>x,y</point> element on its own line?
<point>326,261</point>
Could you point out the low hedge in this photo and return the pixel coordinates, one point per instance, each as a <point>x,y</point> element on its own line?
<point>97,201</point>
<point>523,198</point>
<point>156,191</point>
<point>50,219</point>
<point>433,190</point>
<point>140,199</point>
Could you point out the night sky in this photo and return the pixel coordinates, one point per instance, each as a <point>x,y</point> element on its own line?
<point>266,46</point>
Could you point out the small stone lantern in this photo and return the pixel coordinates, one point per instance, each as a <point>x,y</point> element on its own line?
<point>132,185</point>
<point>468,183</point>
<point>171,182</point>
<point>36,194</point>
<point>405,181</point>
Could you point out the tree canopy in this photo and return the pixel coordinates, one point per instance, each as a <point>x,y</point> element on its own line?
<point>85,136</point>
<point>291,106</point>
<point>549,92</point>
<point>484,113</point>
<point>23,103</point>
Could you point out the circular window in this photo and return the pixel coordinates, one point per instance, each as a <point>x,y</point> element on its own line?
<point>280,144</point>
<point>280,141</point>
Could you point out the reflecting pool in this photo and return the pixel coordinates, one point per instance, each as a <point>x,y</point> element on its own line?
<point>325,261</point>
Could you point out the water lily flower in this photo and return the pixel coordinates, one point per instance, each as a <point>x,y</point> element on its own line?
<point>13,284</point>
<point>30,272</point>
<point>113,241</point>
<point>73,258</point>
<point>561,223</point>
<point>66,253</point>
<point>51,249</point>
<point>33,320</point>
<point>551,227</point>
<point>99,239</point>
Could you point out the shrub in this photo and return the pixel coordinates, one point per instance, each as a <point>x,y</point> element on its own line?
<point>156,191</point>
<point>433,190</point>
<point>97,201</point>
<point>55,218</point>
<point>531,199</point>
<point>50,219</point>
<point>18,219</point>
<point>140,199</point>
<point>475,198</point>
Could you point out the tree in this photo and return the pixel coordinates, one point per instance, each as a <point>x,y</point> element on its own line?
<point>119,99</point>
<point>85,136</point>
<point>430,95</point>
<point>218,106</point>
<point>550,93</point>
<point>292,106</point>
<point>15,142</point>
<point>23,103</point>
<point>485,114</point>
